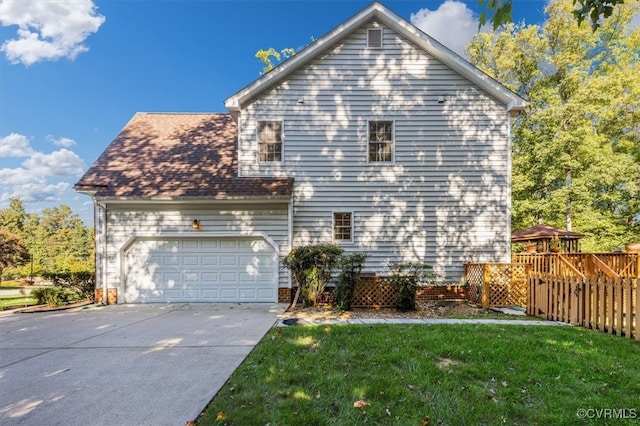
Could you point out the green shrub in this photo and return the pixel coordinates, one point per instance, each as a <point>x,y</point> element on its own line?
<point>83,282</point>
<point>56,295</point>
<point>312,267</point>
<point>350,268</point>
<point>405,277</point>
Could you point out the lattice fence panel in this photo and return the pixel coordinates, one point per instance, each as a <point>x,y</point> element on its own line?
<point>373,292</point>
<point>473,278</point>
<point>518,289</point>
<point>506,283</point>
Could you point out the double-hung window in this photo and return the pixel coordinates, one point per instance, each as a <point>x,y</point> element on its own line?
<point>343,226</point>
<point>380,141</point>
<point>270,141</point>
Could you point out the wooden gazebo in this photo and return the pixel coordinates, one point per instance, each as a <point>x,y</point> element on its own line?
<point>542,236</point>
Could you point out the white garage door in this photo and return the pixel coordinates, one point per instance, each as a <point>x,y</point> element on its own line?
<point>200,270</point>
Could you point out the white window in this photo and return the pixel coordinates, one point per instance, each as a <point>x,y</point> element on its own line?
<point>343,226</point>
<point>380,141</point>
<point>270,141</point>
<point>374,38</point>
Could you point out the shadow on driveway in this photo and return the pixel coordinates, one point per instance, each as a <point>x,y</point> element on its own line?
<point>123,364</point>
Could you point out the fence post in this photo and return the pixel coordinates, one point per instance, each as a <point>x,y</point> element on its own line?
<point>485,286</point>
<point>637,310</point>
<point>574,288</point>
<point>531,297</point>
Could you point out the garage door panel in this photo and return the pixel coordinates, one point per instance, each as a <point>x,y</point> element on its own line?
<point>209,244</point>
<point>210,269</point>
<point>191,294</point>
<point>209,260</point>
<point>190,244</point>
<point>228,277</point>
<point>210,277</point>
<point>172,260</point>
<point>210,293</point>
<point>247,278</point>
<point>247,293</point>
<point>171,293</point>
<point>228,244</point>
<point>228,260</point>
<point>229,293</point>
<point>191,260</point>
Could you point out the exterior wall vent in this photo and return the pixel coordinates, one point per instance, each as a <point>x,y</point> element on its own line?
<point>374,38</point>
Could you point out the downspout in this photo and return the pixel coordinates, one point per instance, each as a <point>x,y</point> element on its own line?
<point>509,183</point>
<point>290,233</point>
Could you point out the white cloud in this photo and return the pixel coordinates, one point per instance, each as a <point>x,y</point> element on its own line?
<point>65,142</point>
<point>452,24</point>
<point>36,192</point>
<point>635,22</point>
<point>15,145</point>
<point>58,163</point>
<point>48,30</point>
<point>41,176</point>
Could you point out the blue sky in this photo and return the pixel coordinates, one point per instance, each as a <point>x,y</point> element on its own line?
<point>73,72</point>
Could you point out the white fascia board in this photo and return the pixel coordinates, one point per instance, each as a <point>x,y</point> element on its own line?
<point>193,201</point>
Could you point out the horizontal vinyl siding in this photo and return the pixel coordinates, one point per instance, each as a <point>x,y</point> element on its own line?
<point>235,220</point>
<point>444,199</point>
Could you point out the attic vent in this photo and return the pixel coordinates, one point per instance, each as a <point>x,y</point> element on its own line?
<point>374,38</point>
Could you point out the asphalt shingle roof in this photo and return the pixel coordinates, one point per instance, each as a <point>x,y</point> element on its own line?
<point>177,155</point>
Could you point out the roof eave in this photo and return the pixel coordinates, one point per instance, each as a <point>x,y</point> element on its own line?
<point>193,199</point>
<point>88,189</point>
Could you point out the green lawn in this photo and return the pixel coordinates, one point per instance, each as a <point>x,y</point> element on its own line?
<point>16,300</point>
<point>435,374</point>
<point>5,284</point>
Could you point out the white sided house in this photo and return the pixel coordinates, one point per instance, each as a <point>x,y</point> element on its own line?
<point>375,137</point>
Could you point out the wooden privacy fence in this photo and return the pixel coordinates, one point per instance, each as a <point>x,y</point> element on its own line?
<point>497,284</point>
<point>613,265</point>
<point>601,303</point>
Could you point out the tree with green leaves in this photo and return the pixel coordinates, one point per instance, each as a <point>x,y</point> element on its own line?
<point>576,148</point>
<point>56,239</point>
<point>271,58</point>
<point>13,252</point>
<point>499,11</point>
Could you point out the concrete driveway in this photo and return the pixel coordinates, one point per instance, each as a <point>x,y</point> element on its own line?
<point>123,364</point>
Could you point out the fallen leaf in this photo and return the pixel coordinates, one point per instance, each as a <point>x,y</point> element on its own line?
<point>504,383</point>
<point>361,403</point>
<point>426,421</point>
<point>387,411</point>
<point>221,416</point>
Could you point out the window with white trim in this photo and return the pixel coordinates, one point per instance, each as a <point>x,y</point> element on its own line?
<point>374,38</point>
<point>343,226</point>
<point>380,141</point>
<point>270,141</point>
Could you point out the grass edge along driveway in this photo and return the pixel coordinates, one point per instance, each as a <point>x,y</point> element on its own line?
<point>431,374</point>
